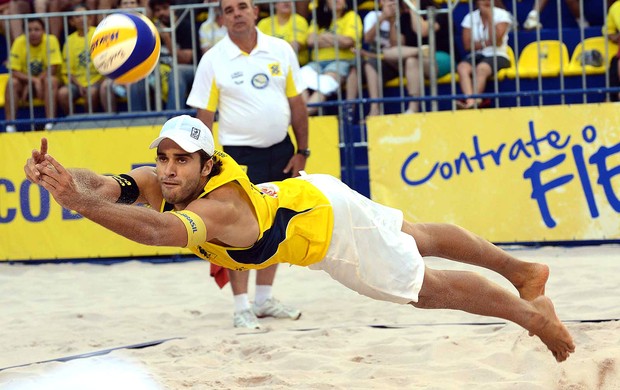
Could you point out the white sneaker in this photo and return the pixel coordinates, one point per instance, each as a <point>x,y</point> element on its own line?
<point>276,309</point>
<point>245,319</point>
<point>10,129</point>
<point>49,126</point>
<point>532,21</point>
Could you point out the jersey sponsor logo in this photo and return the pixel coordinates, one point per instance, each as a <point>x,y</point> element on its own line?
<point>269,189</point>
<point>189,220</point>
<point>275,69</point>
<point>209,256</point>
<point>260,81</point>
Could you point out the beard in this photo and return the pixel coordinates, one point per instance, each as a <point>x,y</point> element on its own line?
<point>182,193</point>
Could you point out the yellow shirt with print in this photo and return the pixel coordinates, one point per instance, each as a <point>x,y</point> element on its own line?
<point>40,59</point>
<point>295,222</point>
<point>77,52</point>
<point>349,25</point>
<point>295,29</point>
<point>613,20</point>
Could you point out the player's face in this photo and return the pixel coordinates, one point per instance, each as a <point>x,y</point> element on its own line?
<point>35,33</point>
<point>239,15</point>
<point>180,174</point>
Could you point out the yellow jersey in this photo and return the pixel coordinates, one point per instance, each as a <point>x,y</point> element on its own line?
<point>295,222</point>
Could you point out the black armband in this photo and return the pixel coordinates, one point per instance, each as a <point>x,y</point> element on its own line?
<point>129,189</point>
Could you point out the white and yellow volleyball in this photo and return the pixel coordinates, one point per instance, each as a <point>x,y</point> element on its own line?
<point>125,47</point>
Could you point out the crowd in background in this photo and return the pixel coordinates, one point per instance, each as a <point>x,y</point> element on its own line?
<point>342,49</point>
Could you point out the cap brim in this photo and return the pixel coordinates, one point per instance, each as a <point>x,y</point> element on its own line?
<point>188,147</point>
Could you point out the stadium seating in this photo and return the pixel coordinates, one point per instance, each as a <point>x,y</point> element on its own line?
<point>4,79</point>
<point>503,73</point>
<point>548,56</point>
<point>607,50</point>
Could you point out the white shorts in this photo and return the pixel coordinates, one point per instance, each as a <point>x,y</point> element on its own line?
<point>368,252</point>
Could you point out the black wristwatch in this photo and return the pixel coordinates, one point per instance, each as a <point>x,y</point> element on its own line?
<point>304,152</point>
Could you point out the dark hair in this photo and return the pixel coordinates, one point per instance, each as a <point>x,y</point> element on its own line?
<point>38,20</point>
<point>324,16</point>
<point>154,3</point>
<point>79,5</point>
<point>424,4</point>
<point>217,163</point>
<point>497,3</point>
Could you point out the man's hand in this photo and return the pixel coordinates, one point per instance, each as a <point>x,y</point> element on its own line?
<point>38,157</point>
<point>59,182</point>
<point>295,164</point>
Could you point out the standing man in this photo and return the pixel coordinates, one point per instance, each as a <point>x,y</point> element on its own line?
<point>253,80</point>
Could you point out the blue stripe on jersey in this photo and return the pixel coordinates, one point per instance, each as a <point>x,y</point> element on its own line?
<point>267,246</point>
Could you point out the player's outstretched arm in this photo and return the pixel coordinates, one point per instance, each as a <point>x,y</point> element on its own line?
<point>140,224</point>
<point>109,187</point>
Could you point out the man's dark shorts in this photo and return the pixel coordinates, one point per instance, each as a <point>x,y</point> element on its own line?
<point>264,164</point>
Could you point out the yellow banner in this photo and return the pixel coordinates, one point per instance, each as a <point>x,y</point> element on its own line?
<point>510,175</point>
<point>34,227</point>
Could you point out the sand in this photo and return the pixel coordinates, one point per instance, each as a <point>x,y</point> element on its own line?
<point>342,341</point>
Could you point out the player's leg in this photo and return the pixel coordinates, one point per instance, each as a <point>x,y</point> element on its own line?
<point>470,292</point>
<point>455,243</point>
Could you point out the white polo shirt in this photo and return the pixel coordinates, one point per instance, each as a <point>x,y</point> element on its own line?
<point>250,91</point>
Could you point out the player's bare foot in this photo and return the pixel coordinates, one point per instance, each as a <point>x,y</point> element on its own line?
<point>551,330</point>
<point>534,281</point>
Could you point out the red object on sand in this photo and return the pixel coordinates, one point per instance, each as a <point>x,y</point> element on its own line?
<point>220,274</point>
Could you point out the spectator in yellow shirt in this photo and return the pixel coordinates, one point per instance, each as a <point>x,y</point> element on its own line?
<point>289,26</point>
<point>37,61</point>
<point>613,32</point>
<point>81,79</point>
<point>336,31</point>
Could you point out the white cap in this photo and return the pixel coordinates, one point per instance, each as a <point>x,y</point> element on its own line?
<point>188,132</point>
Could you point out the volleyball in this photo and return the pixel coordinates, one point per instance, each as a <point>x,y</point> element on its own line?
<point>125,47</point>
